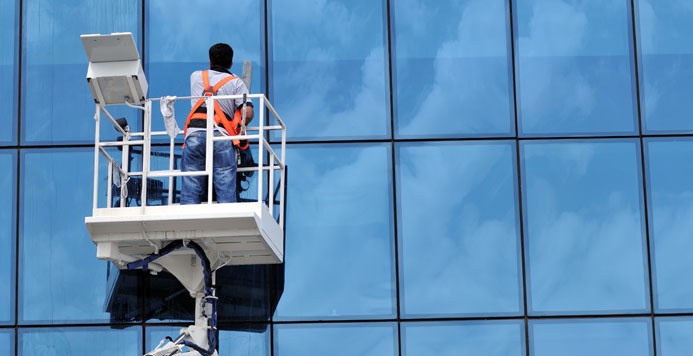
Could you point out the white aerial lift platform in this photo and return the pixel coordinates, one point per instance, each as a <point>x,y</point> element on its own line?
<point>189,241</point>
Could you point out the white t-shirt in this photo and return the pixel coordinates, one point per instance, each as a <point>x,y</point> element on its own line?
<point>232,87</point>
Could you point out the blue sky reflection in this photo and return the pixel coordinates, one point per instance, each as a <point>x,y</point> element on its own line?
<point>329,64</point>
<point>61,279</point>
<point>459,241</point>
<point>7,229</point>
<point>80,341</point>
<point>579,337</point>
<point>666,68</point>
<point>670,181</point>
<point>373,339</point>
<point>584,227</point>
<point>464,338</point>
<point>452,69</point>
<point>339,245</point>
<point>574,67</point>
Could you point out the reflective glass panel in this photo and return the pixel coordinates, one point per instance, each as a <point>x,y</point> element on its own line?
<point>674,336</point>
<point>575,67</point>
<point>80,341</point>
<point>329,68</point>
<point>339,249</point>
<point>8,164</point>
<point>453,69</point>
<point>459,240</point>
<point>8,71</point>
<point>670,190</point>
<point>57,105</point>
<point>373,339</point>
<point>584,227</point>
<point>464,338</point>
<point>577,337</point>
<point>6,342</point>
<point>60,277</point>
<point>666,64</point>
<point>177,45</point>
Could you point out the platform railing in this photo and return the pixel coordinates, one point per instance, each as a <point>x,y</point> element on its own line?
<point>266,118</point>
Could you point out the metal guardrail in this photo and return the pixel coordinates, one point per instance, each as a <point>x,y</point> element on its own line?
<point>267,118</point>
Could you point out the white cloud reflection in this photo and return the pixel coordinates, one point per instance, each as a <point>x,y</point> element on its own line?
<point>339,241</point>
<point>468,88</point>
<point>329,68</point>
<point>459,246</point>
<point>584,229</point>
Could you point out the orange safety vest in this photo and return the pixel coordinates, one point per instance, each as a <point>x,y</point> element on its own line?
<point>232,126</point>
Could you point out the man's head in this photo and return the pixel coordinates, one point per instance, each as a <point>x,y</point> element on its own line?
<point>221,54</point>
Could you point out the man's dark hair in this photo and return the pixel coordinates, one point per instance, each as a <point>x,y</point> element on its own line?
<point>221,54</point>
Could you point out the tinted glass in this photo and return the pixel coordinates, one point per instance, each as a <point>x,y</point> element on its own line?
<point>584,227</point>
<point>666,64</point>
<point>60,277</point>
<point>674,336</point>
<point>6,342</point>
<point>670,189</point>
<point>8,71</point>
<point>178,45</point>
<point>80,341</point>
<point>452,70</point>
<point>591,337</point>
<point>8,164</point>
<point>329,68</point>
<point>339,246</point>
<point>244,340</point>
<point>457,217</point>
<point>57,103</point>
<point>574,67</point>
<point>374,339</point>
<point>464,338</point>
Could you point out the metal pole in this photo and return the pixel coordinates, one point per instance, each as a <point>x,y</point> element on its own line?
<point>146,151</point>
<point>97,117</point>
<point>209,152</point>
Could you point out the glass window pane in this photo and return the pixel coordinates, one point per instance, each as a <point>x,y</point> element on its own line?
<point>177,45</point>
<point>666,64</point>
<point>464,338</point>
<point>57,105</point>
<point>373,339</point>
<point>459,241</point>
<point>339,244</point>
<point>329,68</point>
<point>574,67</point>
<point>670,183</point>
<point>8,70</point>
<point>8,164</point>
<point>80,341</point>
<point>453,70</point>
<point>6,342</point>
<point>60,279</point>
<point>674,336</point>
<point>631,337</point>
<point>584,227</point>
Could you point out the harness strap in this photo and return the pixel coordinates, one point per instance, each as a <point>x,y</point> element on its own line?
<point>232,126</point>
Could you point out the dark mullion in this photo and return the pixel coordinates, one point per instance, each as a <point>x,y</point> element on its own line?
<point>20,50</point>
<point>389,38</point>
<point>643,167</point>
<point>518,160</point>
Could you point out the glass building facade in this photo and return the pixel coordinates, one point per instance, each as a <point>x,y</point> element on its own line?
<point>466,177</point>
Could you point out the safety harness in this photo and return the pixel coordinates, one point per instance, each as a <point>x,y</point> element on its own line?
<point>232,125</point>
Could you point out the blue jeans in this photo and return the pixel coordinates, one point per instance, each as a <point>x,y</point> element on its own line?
<point>224,172</point>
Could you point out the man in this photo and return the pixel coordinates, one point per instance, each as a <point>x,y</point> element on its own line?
<point>216,81</point>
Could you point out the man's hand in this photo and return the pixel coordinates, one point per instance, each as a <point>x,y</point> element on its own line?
<point>249,113</point>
